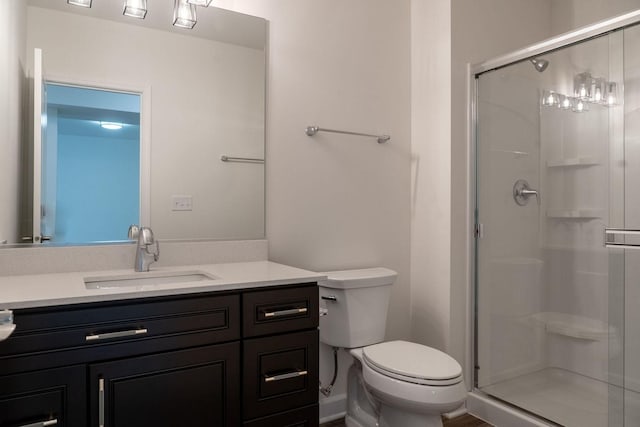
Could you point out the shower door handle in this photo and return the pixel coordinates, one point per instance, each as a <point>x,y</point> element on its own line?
<point>610,238</point>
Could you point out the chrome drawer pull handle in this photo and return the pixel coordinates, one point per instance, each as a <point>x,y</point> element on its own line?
<point>42,423</point>
<point>286,376</point>
<point>285,312</point>
<point>101,402</point>
<point>115,334</point>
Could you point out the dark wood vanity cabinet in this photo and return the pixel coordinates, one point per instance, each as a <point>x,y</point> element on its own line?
<point>216,359</point>
<point>280,354</point>
<point>42,398</point>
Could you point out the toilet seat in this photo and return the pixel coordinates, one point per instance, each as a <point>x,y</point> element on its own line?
<point>413,363</point>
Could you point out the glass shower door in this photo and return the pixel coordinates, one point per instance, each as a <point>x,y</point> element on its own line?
<point>550,178</point>
<point>632,221</point>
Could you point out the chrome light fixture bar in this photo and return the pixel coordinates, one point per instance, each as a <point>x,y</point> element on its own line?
<point>83,3</point>
<point>203,3</point>
<point>135,8</point>
<point>184,14</point>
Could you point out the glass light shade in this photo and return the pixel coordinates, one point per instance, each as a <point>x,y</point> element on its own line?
<point>184,14</point>
<point>582,84</point>
<point>135,8</point>
<point>83,3</point>
<point>598,89</point>
<point>203,3</point>
<point>564,102</point>
<point>579,105</point>
<point>612,93</point>
<point>550,98</point>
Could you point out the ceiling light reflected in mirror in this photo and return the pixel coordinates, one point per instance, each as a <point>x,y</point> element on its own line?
<point>203,3</point>
<point>135,8</point>
<point>83,3</point>
<point>184,14</point>
<point>111,125</point>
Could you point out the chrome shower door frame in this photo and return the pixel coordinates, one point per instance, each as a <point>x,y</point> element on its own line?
<point>474,230</point>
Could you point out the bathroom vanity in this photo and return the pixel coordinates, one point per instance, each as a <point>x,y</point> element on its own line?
<point>241,349</point>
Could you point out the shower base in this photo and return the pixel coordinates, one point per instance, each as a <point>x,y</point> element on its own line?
<point>561,396</point>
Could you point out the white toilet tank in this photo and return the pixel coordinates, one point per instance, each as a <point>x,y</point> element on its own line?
<point>356,303</point>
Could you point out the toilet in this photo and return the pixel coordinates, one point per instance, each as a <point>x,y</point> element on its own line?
<point>393,383</point>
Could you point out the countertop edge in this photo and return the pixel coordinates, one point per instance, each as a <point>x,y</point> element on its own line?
<point>233,277</point>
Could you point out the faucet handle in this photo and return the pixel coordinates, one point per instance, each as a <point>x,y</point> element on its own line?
<point>146,236</point>
<point>156,254</point>
<point>133,232</point>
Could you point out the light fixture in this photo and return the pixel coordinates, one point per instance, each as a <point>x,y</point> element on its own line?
<point>184,14</point>
<point>550,98</point>
<point>111,125</point>
<point>135,8</point>
<point>582,85</point>
<point>598,90</point>
<point>612,93</point>
<point>587,90</point>
<point>83,3</point>
<point>564,102</point>
<point>203,3</point>
<point>579,106</point>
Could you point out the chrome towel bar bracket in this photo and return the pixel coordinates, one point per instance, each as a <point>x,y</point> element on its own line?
<point>312,130</point>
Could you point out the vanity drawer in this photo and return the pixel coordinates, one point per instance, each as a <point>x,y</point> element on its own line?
<point>86,325</point>
<point>281,373</point>
<point>280,310</point>
<point>302,417</point>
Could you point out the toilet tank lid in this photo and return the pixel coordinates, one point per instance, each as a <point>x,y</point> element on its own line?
<point>366,277</point>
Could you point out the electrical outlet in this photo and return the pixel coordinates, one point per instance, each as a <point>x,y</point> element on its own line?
<point>181,203</point>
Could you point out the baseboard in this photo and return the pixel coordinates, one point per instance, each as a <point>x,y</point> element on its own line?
<point>333,408</point>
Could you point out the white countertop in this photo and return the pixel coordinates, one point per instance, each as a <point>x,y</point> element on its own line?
<point>69,288</point>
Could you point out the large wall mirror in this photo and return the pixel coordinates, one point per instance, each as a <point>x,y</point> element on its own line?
<point>188,158</point>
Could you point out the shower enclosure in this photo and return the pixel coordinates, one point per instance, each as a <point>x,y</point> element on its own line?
<point>557,213</point>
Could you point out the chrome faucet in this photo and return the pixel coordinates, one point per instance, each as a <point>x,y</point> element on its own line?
<point>144,256</point>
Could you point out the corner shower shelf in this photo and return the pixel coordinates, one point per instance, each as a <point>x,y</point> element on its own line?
<point>575,213</point>
<point>572,162</point>
<point>571,325</point>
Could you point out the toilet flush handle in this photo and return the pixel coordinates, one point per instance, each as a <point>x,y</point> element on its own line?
<point>329,298</point>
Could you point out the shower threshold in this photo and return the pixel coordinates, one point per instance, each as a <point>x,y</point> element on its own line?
<point>561,396</point>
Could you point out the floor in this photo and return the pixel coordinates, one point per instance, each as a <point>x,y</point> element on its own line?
<point>463,421</point>
<point>563,396</point>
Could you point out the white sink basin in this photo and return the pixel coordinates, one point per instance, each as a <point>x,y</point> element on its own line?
<point>152,278</point>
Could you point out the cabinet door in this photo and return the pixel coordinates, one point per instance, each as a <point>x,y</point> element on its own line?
<point>50,397</point>
<point>195,387</point>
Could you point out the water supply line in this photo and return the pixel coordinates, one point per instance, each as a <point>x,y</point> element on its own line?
<point>326,391</point>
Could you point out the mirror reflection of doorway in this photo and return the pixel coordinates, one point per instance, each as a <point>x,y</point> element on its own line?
<point>91,164</point>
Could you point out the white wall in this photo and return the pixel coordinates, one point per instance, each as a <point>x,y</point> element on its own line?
<point>431,171</point>
<point>567,15</point>
<point>338,202</point>
<point>12,86</point>
<point>197,114</point>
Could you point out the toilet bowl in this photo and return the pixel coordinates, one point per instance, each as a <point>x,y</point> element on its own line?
<point>390,384</point>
